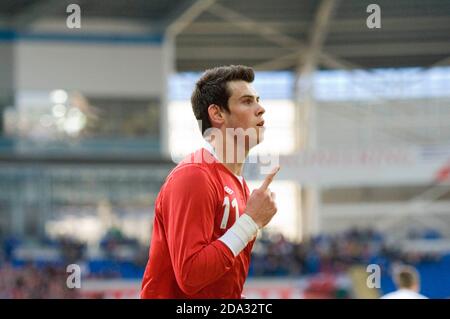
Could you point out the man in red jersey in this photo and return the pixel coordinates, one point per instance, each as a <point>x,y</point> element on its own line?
<point>205,219</point>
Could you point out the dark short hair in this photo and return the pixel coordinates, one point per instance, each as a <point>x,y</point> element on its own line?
<point>406,276</point>
<point>212,88</point>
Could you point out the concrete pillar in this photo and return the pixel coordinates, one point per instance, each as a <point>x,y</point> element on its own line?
<point>6,74</point>
<point>168,70</point>
<point>306,109</point>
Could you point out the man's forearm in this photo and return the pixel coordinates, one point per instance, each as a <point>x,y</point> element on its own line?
<point>240,234</point>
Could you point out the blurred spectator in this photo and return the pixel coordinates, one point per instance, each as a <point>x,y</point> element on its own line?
<point>407,280</point>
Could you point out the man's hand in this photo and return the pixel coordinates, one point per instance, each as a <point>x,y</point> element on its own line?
<point>261,206</point>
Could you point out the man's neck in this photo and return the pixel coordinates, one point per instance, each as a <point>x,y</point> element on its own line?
<point>233,161</point>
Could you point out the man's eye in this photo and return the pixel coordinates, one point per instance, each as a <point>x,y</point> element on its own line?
<point>248,101</point>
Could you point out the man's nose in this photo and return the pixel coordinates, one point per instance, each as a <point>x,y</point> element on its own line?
<point>260,111</point>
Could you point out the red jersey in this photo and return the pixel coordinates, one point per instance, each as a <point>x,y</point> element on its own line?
<point>199,201</point>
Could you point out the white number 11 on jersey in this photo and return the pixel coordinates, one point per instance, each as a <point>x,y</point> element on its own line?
<point>226,212</point>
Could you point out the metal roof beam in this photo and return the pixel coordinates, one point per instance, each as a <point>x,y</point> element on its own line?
<point>273,35</point>
<point>245,23</point>
<point>185,14</point>
<point>308,61</point>
<point>443,62</point>
<point>397,24</point>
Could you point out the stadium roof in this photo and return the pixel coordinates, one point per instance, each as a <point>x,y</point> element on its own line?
<point>274,34</point>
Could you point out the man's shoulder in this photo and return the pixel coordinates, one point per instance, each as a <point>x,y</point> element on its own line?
<point>189,179</point>
<point>390,295</point>
<point>190,170</point>
<point>403,294</point>
<point>194,167</point>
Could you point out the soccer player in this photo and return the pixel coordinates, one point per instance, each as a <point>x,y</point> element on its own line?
<point>406,279</point>
<point>205,219</point>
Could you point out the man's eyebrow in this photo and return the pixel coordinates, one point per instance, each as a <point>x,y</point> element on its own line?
<point>249,96</point>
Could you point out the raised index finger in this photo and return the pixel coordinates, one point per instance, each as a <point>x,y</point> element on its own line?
<point>269,178</point>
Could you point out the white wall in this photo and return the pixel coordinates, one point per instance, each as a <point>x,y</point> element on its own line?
<point>109,69</point>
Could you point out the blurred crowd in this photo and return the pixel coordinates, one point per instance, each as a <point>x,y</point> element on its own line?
<point>38,268</point>
<point>276,256</point>
<point>31,282</point>
<point>122,257</point>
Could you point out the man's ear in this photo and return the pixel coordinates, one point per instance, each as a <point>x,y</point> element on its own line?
<point>215,114</point>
